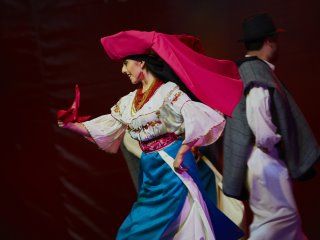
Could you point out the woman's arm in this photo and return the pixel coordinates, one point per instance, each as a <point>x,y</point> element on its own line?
<point>107,130</point>
<point>202,124</point>
<point>179,158</point>
<point>75,127</point>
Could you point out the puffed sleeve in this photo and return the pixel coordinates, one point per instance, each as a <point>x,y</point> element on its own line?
<point>106,131</point>
<point>259,118</point>
<point>202,124</point>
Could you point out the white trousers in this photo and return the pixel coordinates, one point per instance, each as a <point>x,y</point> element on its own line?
<point>275,215</point>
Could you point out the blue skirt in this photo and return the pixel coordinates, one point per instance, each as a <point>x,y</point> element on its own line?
<point>161,197</point>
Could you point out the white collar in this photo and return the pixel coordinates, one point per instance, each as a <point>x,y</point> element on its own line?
<point>269,64</point>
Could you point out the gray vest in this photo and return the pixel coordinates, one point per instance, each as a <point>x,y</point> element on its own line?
<point>298,148</point>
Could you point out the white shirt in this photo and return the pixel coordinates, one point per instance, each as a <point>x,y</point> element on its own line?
<point>259,116</point>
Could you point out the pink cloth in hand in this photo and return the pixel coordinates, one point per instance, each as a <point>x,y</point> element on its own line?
<point>71,115</point>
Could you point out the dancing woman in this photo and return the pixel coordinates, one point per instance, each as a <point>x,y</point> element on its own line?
<point>163,116</point>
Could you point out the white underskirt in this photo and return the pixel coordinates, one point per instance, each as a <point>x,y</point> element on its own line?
<point>194,221</point>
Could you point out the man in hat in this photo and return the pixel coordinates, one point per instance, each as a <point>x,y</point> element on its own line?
<point>267,141</point>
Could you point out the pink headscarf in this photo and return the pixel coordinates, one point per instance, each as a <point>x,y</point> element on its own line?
<point>215,82</point>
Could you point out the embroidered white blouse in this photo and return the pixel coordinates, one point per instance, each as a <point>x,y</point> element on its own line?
<point>168,110</point>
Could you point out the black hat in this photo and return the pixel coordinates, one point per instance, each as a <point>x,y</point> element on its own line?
<point>258,27</point>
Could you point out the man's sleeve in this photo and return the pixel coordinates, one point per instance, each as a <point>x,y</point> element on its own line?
<point>259,118</point>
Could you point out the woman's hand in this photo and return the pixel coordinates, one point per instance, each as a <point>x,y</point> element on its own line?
<point>75,127</point>
<point>196,153</point>
<point>62,124</point>
<point>177,164</point>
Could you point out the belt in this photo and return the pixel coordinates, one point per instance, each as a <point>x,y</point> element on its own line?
<point>158,143</point>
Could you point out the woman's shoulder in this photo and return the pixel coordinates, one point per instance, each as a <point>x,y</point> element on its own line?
<point>170,85</point>
<point>127,98</point>
<point>172,90</point>
<point>124,102</point>
<point>167,88</point>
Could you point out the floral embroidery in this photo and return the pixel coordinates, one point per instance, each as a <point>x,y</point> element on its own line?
<point>116,108</point>
<point>144,127</point>
<point>152,124</point>
<point>176,97</point>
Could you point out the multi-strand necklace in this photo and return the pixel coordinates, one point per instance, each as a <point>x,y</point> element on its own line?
<point>142,97</point>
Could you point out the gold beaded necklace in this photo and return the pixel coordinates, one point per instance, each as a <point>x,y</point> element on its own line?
<point>142,97</point>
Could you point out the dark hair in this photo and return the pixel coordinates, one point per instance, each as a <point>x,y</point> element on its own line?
<point>257,44</point>
<point>161,70</point>
<point>254,45</point>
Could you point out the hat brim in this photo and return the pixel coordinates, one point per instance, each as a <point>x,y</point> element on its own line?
<point>278,30</point>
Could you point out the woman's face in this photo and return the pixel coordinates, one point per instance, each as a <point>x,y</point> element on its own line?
<point>133,69</point>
